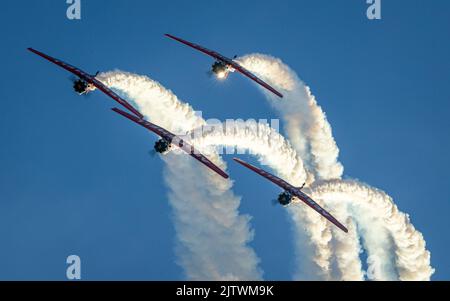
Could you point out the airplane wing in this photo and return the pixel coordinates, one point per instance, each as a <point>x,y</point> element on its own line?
<point>294,191</point>
<point>175,140</point>
<point>228,61</point>
<point>255,78</point>
<point>212,53</point>
<point>89,79</point>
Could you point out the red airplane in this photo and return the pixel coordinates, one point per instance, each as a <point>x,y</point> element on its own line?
<point>223,65</point>
<point>168,139</point>
<point>285,198</point>
<point>87,83</point>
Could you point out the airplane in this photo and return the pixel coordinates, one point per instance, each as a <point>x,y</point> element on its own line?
<point>87,83</point>
<point>168,139</point>
<point>285,198</point>
<point>223,65</point>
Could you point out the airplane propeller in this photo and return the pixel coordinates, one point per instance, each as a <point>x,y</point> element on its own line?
<point>73,79</point>
<point>274,202</point>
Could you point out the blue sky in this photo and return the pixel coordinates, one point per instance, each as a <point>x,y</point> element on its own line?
<point>75,179</point>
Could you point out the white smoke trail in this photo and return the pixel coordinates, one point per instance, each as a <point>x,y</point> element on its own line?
<point>311,135</point>
<point>324,242</point>
<point>376,212</point>
<point>372,211</point>
<point>347,249</point>
<point>306,123</point>
<point>274,151</point>
<point>212,236</point>
<point>163,107</point>
<point>259,139</point>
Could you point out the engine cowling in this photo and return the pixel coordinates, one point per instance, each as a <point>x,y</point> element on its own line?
<point>162,146</point>
<point>285,198</point>
<point>80,86</point>
<point>218,67</point>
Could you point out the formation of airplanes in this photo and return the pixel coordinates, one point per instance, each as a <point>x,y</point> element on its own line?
<point>86,83</point>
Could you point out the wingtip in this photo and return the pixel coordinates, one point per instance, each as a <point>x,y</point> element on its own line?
<point>139,115</point>
<point>277,93</point>
<point>219,171</point>
<point>118,111</point>
<point>342,227</point>
<point>121,112</point>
